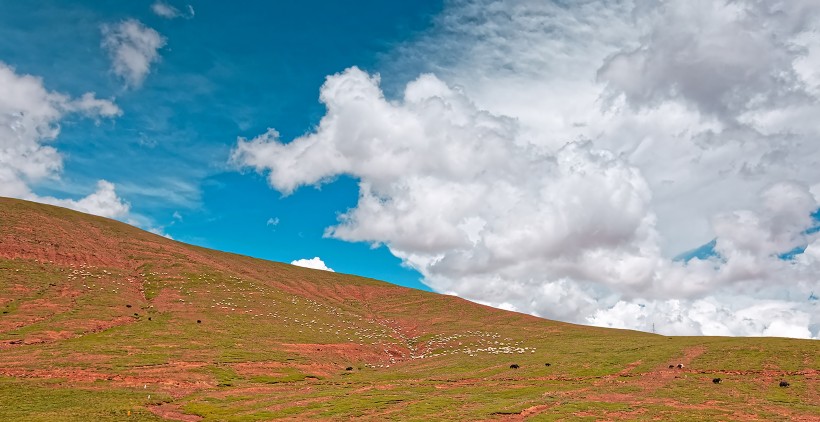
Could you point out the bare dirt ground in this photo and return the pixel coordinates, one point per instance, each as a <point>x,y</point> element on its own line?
<point>172,412</point>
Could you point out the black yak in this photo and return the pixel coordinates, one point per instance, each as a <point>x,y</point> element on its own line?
<point>717,380</point>
<point>784,383</point>
<point>514,366</point>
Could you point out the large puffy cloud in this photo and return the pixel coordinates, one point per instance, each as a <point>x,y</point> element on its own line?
<point>456,193</point>
<point>559,157</point>
<point>727,90</point>
<point>29,119</point>
<point>552,67</point>
<point>722,57</point>
<point>133,48</point>
<point>753,285</point>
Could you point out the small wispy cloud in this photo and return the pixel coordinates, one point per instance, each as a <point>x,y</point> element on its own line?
<point>273,221</point>
<point>133,48</point>
<point>167,11</point>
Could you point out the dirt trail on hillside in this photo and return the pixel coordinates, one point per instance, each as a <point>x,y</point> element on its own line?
<point>173,412</point>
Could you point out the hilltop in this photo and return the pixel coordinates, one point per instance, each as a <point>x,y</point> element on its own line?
<point>102,321</point>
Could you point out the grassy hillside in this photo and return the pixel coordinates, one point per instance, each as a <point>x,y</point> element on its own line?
<point>103,321</point>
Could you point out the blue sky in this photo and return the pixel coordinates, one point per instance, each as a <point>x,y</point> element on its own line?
<point>227,72</point>
<point>549,157</point>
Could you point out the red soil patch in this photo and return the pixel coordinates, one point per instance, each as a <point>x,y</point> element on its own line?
<point>611,416</point>
<point>338,353</point>
<point>301,402</point>
<point>48,337</point>
<point>251,369</point>
<point>47,243</point>
<point>96,325</point>
<point>662,375</point>
<point>168,300</point>
<point>263,390</point>
<point>177,378</point>
<point>173,412</point>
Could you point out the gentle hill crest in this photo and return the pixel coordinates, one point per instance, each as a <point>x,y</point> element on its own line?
<point>101,319</point>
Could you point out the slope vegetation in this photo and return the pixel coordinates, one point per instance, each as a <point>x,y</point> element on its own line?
<point>103,321</point>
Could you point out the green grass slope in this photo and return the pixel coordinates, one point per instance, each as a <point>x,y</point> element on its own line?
<point>103,321</point>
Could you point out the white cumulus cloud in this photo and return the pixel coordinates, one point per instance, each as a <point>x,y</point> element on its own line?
<point>103,202</point>
<point>561,154</point>
<point>133,48</point>
<point>315,263</point>
<point>30,118</point>
<point>456,193</point>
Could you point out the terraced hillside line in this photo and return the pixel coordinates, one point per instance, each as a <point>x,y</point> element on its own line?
<point>173,413</point>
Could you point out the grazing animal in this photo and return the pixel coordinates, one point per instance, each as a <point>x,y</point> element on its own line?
<point>127,306</point>
<point>547,364</point>
<point>680,366</point>
<point>349,368</point>
<point>717,380</point>
<point>671,366</point>
<point>784,383</point>
<point>199,321</point>
<point>149,318</point>
<point>514,366</point>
